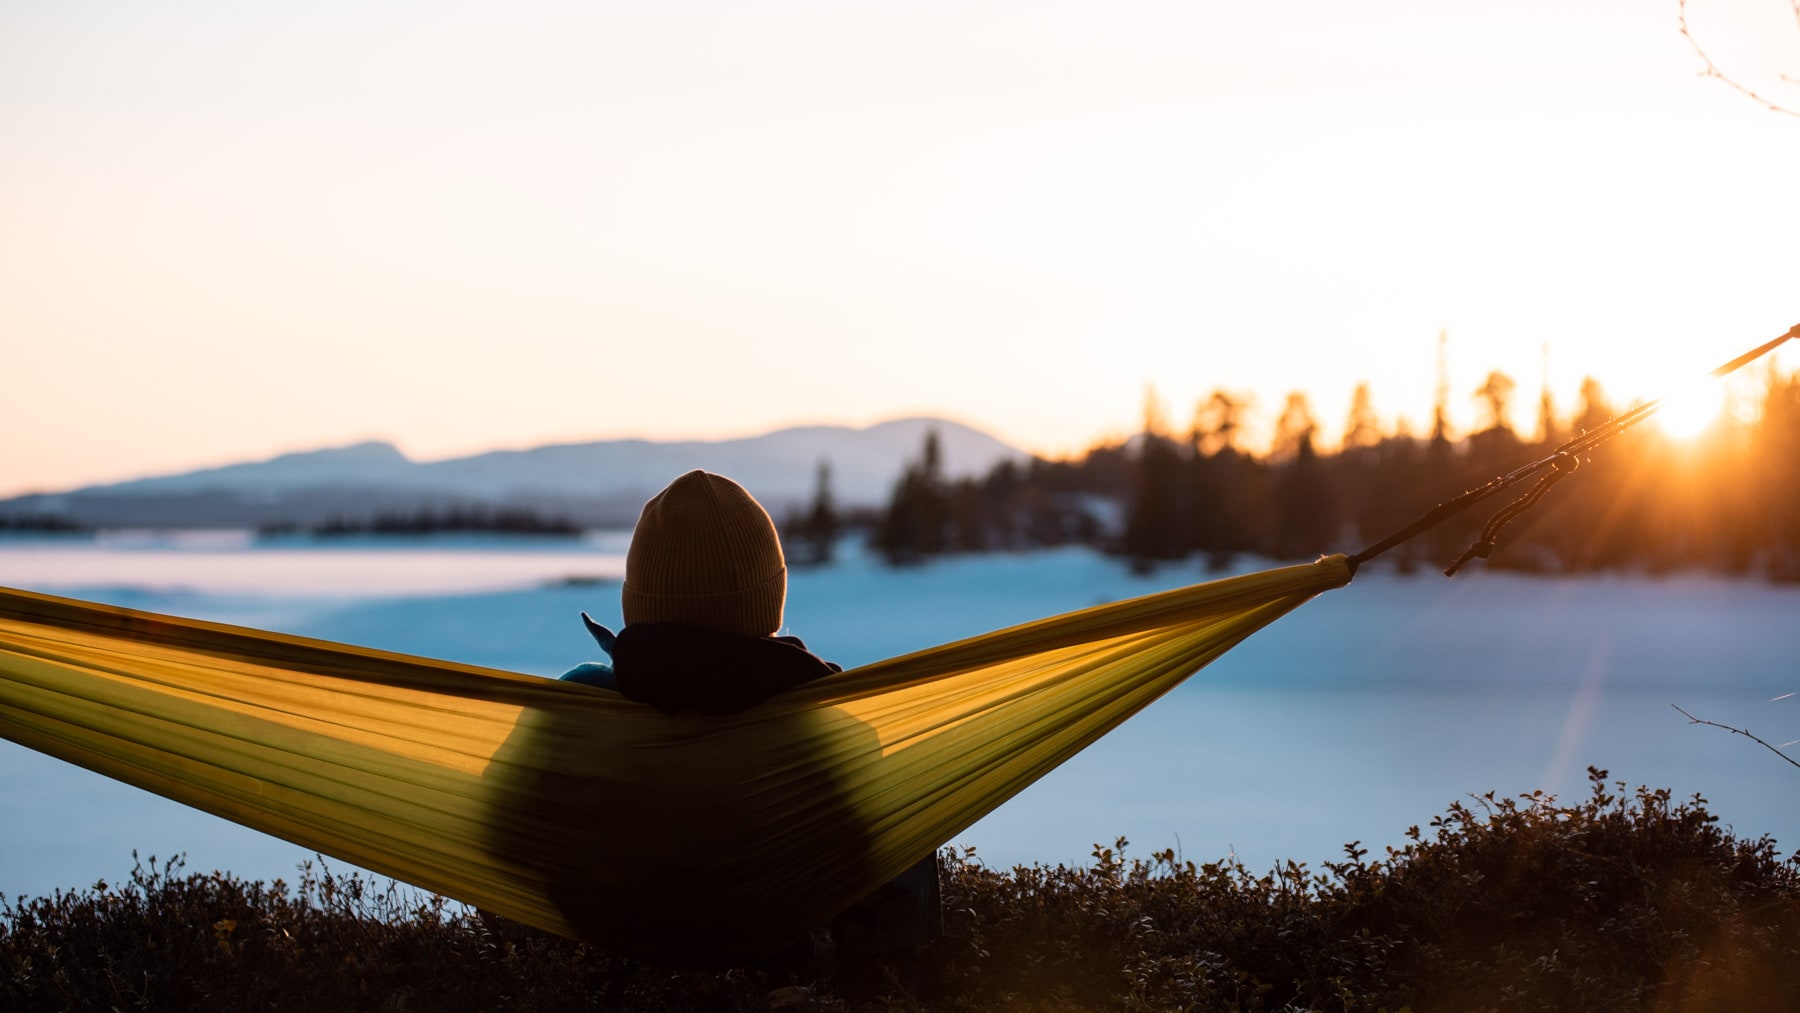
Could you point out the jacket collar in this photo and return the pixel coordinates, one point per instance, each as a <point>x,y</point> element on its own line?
<point>675,668</point>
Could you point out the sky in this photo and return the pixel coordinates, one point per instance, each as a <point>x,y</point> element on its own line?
<point>234,230</point>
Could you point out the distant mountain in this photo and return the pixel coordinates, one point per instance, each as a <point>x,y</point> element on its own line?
<point>597,484</point>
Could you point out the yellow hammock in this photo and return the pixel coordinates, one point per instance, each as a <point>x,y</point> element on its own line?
<point>689,839</point>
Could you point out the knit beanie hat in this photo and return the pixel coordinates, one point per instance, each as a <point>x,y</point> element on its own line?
<point>705,553</point>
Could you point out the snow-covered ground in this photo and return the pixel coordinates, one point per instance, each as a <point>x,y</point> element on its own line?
<point>1363,713</point>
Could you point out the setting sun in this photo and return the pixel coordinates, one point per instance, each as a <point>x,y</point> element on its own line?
<point>1691,410</point>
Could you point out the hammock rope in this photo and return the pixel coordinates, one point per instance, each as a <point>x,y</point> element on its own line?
<point>688,840</point>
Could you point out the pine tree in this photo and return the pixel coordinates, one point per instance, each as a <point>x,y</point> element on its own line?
<point>899,536</point>
<point>916,524</point>
<point>1548,433</point>
<point>1777,447</point>
<point>1294,427</point>
<point>1153,530</point>
<point>1224,484</point>
<point>1495,395</point>
<point>1495,448</point>
<point>1305,509</point>
<point>822,522</point>
<point>1362,429</point>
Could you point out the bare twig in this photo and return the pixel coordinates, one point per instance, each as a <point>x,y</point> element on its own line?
<point>1737,731</point>
<point>1712,69</point>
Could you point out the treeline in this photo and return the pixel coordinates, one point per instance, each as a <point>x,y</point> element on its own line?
<point>41,523</point>
<point>1016,506</point>
<point>436,520</point>
<point>1727,501</point>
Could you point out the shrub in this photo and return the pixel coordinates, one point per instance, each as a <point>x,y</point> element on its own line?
<point>1622,901</point>
<point>172,940</point>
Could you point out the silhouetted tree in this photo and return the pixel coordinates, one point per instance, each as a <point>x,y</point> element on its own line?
<point>969,516</point>
<point>1495,448</point>
<point>916,523</point>
<point>1441,473</point>
<point>1304,507</point>
<point>1777,453</point>
<point>1495,395</point>
<point>1001,489</point>
<point>1400,491</point>
<point>1593,408</point>
<point>1219,421</point>
<point>823,524</point>
<point>1440,401</point>
<point>1362,429</point>
<point>812,536</point>
<point>1549,434</point>
<point>1154,529</point>
<point>1293,427</point>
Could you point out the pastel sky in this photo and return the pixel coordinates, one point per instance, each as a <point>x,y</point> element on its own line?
<point>229,230</point>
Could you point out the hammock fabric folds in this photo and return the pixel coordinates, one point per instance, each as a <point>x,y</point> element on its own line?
<point>688,840</point>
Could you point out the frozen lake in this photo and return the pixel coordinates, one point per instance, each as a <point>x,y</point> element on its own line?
<point>1363,713</point>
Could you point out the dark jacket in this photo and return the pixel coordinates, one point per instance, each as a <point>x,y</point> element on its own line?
<point>677,668</point>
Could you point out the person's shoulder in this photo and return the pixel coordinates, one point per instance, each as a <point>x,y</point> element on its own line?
<point>592,673</point>
<point>796,642</point>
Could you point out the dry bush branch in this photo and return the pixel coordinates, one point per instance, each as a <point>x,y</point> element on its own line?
<point>1712,69</point>
<point>1737,731</point>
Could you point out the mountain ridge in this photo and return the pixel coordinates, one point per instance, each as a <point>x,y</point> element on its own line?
<point>594,483</point>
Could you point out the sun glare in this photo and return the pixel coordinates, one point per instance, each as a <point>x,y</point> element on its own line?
<point>1688,411</point>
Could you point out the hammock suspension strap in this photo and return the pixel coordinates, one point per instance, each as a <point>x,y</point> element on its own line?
<point>1563,466</point>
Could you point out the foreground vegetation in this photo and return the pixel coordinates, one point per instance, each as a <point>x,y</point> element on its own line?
<point>1625,900</point>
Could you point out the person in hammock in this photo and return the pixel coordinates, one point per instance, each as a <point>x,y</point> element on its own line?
<point>703,601</point>
<point>705,589</point>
